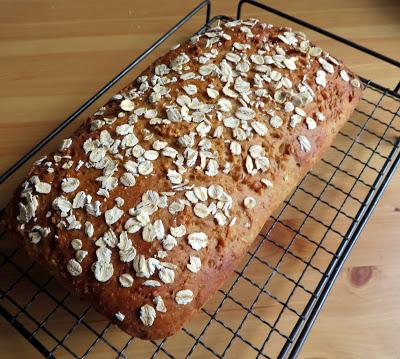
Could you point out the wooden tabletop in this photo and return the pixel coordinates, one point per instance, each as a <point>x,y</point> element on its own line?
<point>55,54</point>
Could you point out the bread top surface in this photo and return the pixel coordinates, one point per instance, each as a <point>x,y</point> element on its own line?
<point>156,197</point>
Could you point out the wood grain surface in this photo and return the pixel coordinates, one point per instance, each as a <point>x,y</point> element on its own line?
<point>55,54</point>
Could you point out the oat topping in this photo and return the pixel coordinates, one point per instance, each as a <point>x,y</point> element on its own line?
<point>344,75</point>
<point>355,82</point>
<point>169,242</point>
<point>201,193</point>
<point>212,93</point>
<point>249,202</point>
<point>276,121</point>
<point>62,204</point>
<point>174,177</point>
<point>80,255</point>
<point>74,268</point>
<point>160,306</point>
<point>89,229</point>
<point>184,296</point>
<point>149,233</point>
<point>151,283</point>
<point>69,184</point>
<point>215,192</point>
<point>127,105</point>
<point>35,237</point>
<point>127,179</point>
<point>65,144</point>
<point>320,116</point>
<point>103,270</point>
<point>235,148</point>
<point>320,78</point>
<point>224,105</point>
<point>194,264</point>
<point>37,233</point>
<point>166,275</point>
<point>181,129</point>
<point>190,89</point>
<point>126,280</point>
<point>259,128</point>
<point>179,231</point>
<point>305,144</point>
<point>145,168</point>
<point>201,210</point>
<point>43,187</point>
<point>76,244</point>
<point>328,67</point>
<point>79,200</point>
<point>197,240</point>
<point>119,316</point>
<point>113,215</point>
<point>267,182</point>
<point>311,124</point>
<point>147,315</point>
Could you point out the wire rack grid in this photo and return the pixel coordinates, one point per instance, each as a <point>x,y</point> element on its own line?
<point>281,285</point>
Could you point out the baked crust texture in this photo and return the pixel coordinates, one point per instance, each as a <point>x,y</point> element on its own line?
<point>156,198</point>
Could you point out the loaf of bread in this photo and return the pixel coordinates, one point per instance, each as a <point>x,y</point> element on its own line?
<point>152,203</point>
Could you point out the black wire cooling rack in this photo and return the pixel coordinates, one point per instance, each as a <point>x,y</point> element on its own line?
<point>268,306</point>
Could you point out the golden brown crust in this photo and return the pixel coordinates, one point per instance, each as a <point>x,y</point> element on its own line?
<point>288,163</point>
